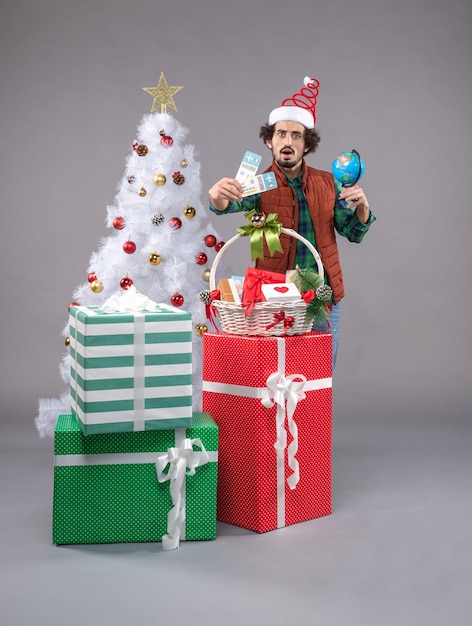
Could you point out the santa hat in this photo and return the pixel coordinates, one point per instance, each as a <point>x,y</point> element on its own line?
<point>301,107</point>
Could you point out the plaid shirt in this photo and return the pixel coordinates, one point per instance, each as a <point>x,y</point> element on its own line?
<point>346,222</point>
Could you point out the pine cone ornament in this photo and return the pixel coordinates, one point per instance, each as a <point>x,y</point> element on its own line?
<point>324,293</point>
<point>157,219</point>
<point>258,220</point>
<point>178,178</point>
<point>204,296</point>
<point>141,150</point>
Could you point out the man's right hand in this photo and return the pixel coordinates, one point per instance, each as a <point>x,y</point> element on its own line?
<point>225,191</point>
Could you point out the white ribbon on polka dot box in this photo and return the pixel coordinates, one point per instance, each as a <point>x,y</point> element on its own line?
<point>272,400</point>
<point>135,486</point>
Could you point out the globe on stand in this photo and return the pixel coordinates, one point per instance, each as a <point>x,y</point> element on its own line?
<point>348,168</point>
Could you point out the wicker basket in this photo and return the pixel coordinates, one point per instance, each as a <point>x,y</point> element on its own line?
<point>232,314</point>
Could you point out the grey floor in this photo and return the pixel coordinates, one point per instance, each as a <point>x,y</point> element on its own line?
<point>395,552</point>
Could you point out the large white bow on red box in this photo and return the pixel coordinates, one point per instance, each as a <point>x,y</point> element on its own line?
<point>285,391</point>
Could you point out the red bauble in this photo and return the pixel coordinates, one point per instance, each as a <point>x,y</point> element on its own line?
<point>73,304</point>
<point>219,245</point>
<point>166,140</point>
<point>119,223</point>
<point>210,240</point>
<point>175,223</point>
<point>201,258</point>
<point>91,277</point>
<point>177,299</point>
<point>129,247</point>
<point>126,282</point>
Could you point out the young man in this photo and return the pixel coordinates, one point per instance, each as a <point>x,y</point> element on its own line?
<point>307,200</point>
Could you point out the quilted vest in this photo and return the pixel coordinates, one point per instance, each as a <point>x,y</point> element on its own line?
<point>318,187</point>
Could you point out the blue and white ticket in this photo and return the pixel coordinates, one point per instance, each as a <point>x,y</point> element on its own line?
<point>251,182</point>
<point>258,184</point>
<point>249,166</point>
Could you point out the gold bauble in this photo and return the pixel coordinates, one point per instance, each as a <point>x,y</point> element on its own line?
<point>154,258</point>
<point>189,212</point>
<point>201,329</point>
<point>159,180</point>
<point>142,192</point>
<point>206,275</point>
<point>67,342</point>
<point>96,286</point>
<point>184,162</point>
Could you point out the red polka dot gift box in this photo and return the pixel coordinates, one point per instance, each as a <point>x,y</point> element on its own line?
<point>141,486</point>
<point>272,400</point>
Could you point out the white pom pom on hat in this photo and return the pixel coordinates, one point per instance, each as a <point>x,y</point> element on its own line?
<point>301,107</point>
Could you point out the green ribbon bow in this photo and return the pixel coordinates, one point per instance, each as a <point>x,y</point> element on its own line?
<point>271,230</point>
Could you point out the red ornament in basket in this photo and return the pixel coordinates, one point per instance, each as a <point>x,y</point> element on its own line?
<point>208,297</point>
<point>281,317</point>
<point>252,286</point>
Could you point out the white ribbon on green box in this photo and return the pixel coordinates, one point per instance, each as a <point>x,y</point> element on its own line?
<point>183,461</point>
<point>130,370</point>
<point>285,392</point>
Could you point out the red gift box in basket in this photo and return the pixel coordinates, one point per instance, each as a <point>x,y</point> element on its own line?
<point>291,317</point>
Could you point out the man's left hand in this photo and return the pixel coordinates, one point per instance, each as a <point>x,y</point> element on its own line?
<point>356,199</point>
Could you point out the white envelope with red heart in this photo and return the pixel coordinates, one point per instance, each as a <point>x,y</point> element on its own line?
<point>280,292</point>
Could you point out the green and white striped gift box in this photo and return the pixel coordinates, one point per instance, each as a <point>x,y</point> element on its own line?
<point>131,371</point>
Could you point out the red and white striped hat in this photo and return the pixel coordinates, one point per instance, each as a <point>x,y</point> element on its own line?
<point>301,107</point>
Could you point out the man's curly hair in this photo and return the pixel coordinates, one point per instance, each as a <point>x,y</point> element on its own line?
<point>312,137</point>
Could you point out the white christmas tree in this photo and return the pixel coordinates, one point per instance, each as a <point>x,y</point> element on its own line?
<point>161,243</point>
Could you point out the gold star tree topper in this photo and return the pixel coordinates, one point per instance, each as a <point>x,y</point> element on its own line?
<point>163,95</point>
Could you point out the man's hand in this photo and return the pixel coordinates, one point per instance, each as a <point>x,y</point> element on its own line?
<point>225,191</point>
<point>357,200</point>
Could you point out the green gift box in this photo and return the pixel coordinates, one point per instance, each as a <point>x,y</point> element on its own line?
<point>135,486</point>
<point>130,370</point>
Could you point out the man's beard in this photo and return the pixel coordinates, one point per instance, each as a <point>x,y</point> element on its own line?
<point>287,164</point>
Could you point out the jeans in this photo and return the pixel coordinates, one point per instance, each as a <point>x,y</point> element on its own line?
<point>334,321</point>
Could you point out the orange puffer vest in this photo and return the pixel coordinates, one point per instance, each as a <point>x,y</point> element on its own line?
<point>318,187</point>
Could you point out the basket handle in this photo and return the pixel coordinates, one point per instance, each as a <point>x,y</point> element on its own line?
<point>286,231</point>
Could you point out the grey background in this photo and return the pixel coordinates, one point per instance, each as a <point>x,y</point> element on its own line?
<point>395,85</point>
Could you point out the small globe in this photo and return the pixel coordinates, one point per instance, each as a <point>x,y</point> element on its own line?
<point>348,168</point>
